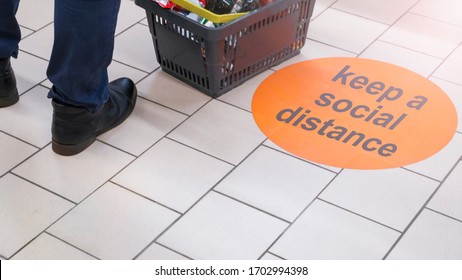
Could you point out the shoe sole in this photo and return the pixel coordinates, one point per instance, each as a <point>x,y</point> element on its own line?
<point>9,100</point>
<point>70,150</point>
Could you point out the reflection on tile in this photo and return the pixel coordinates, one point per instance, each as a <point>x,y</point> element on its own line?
<point>276,183</point>
<point>431,237</point>
<point>424,35</point>
<point>340,29</point>
<point>74,177</point>
<point>157,252</point>
<point>220,130</point>
<point>382,11</point>
<point>327,232</point>
<point>113,223</point>
<point>173,175</point>
<point>391,197</point>
<point>443,10</point>
<point>418,62</point>
<point>448,198</point>
<point>221,228</point>
<point>27,210</point>
<point>451,68</point>
<point>47,247</point>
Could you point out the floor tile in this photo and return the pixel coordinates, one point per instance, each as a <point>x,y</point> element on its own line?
<point>40,43</point>
<point>269,143</point>
<point>382,11</point>
<point>27,210</point>
<point>30,118</point>
<point>451,68</point>
<point>242,95</point>
<point>321,5</point>
<point>25,31</point>
<point>117,70</point>
<point>431,237</point>
<point>129,14</point>
<point>270,257</point>
<point>424,35</point>
<point>454,92</point>
<point>168,91</point>
<point>391,197</point>
<point>327,232</point>
<point>345,31</point>
<point>147,124</point>
<point>13,152</point>
<point>113,223</point>
<point>74,177</point>
<point>276,183</point>
<point>221,228</point>
<point>448,198</point>
<point>47,247</point>
<point>443,10</point>
<point>438,165</point>
<point>314,50</point>
<point>29,71</point>
<point>173,175</point>
<point>157,252</point>
<point>220,130</point>
<point>417,62</point>
<point>135,47</point>
<point>35,14</point>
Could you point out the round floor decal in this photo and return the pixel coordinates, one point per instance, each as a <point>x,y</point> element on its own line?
<point>354,113</point>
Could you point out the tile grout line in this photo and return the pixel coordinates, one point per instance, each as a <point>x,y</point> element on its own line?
<point>442,214</point>
<point>417,215</point>
<point>359,215</point>
<point>196,202</point>
<point>298,216</point>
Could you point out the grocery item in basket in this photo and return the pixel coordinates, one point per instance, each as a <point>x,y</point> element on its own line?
<point>242,6</point>
<point>219,7</point>
<point>265,2</point>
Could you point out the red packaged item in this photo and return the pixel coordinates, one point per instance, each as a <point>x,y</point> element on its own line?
<point>265,2</point>
<point>166,4</point>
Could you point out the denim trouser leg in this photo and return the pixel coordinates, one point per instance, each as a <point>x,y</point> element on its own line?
<point>10,34</point>
<point>82,51</point>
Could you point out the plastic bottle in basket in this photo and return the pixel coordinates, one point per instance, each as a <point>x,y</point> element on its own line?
<point>242,6</point>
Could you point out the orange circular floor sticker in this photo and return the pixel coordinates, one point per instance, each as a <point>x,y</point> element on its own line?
<point>354,113</point>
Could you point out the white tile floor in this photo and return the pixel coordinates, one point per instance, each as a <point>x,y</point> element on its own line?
<point>190,177</point>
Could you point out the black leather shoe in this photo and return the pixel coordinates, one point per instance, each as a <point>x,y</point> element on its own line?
<point>8,91</point>
<point>73,129</point>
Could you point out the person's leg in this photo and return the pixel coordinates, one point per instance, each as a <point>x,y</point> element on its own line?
<point>82,51</point>
<point>10,35</point>
<point>85,104</point>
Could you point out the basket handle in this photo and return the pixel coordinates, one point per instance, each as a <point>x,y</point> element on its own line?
<point>215,18</point>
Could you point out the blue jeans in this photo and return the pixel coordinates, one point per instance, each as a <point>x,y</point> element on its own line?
<point>82,50</point>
